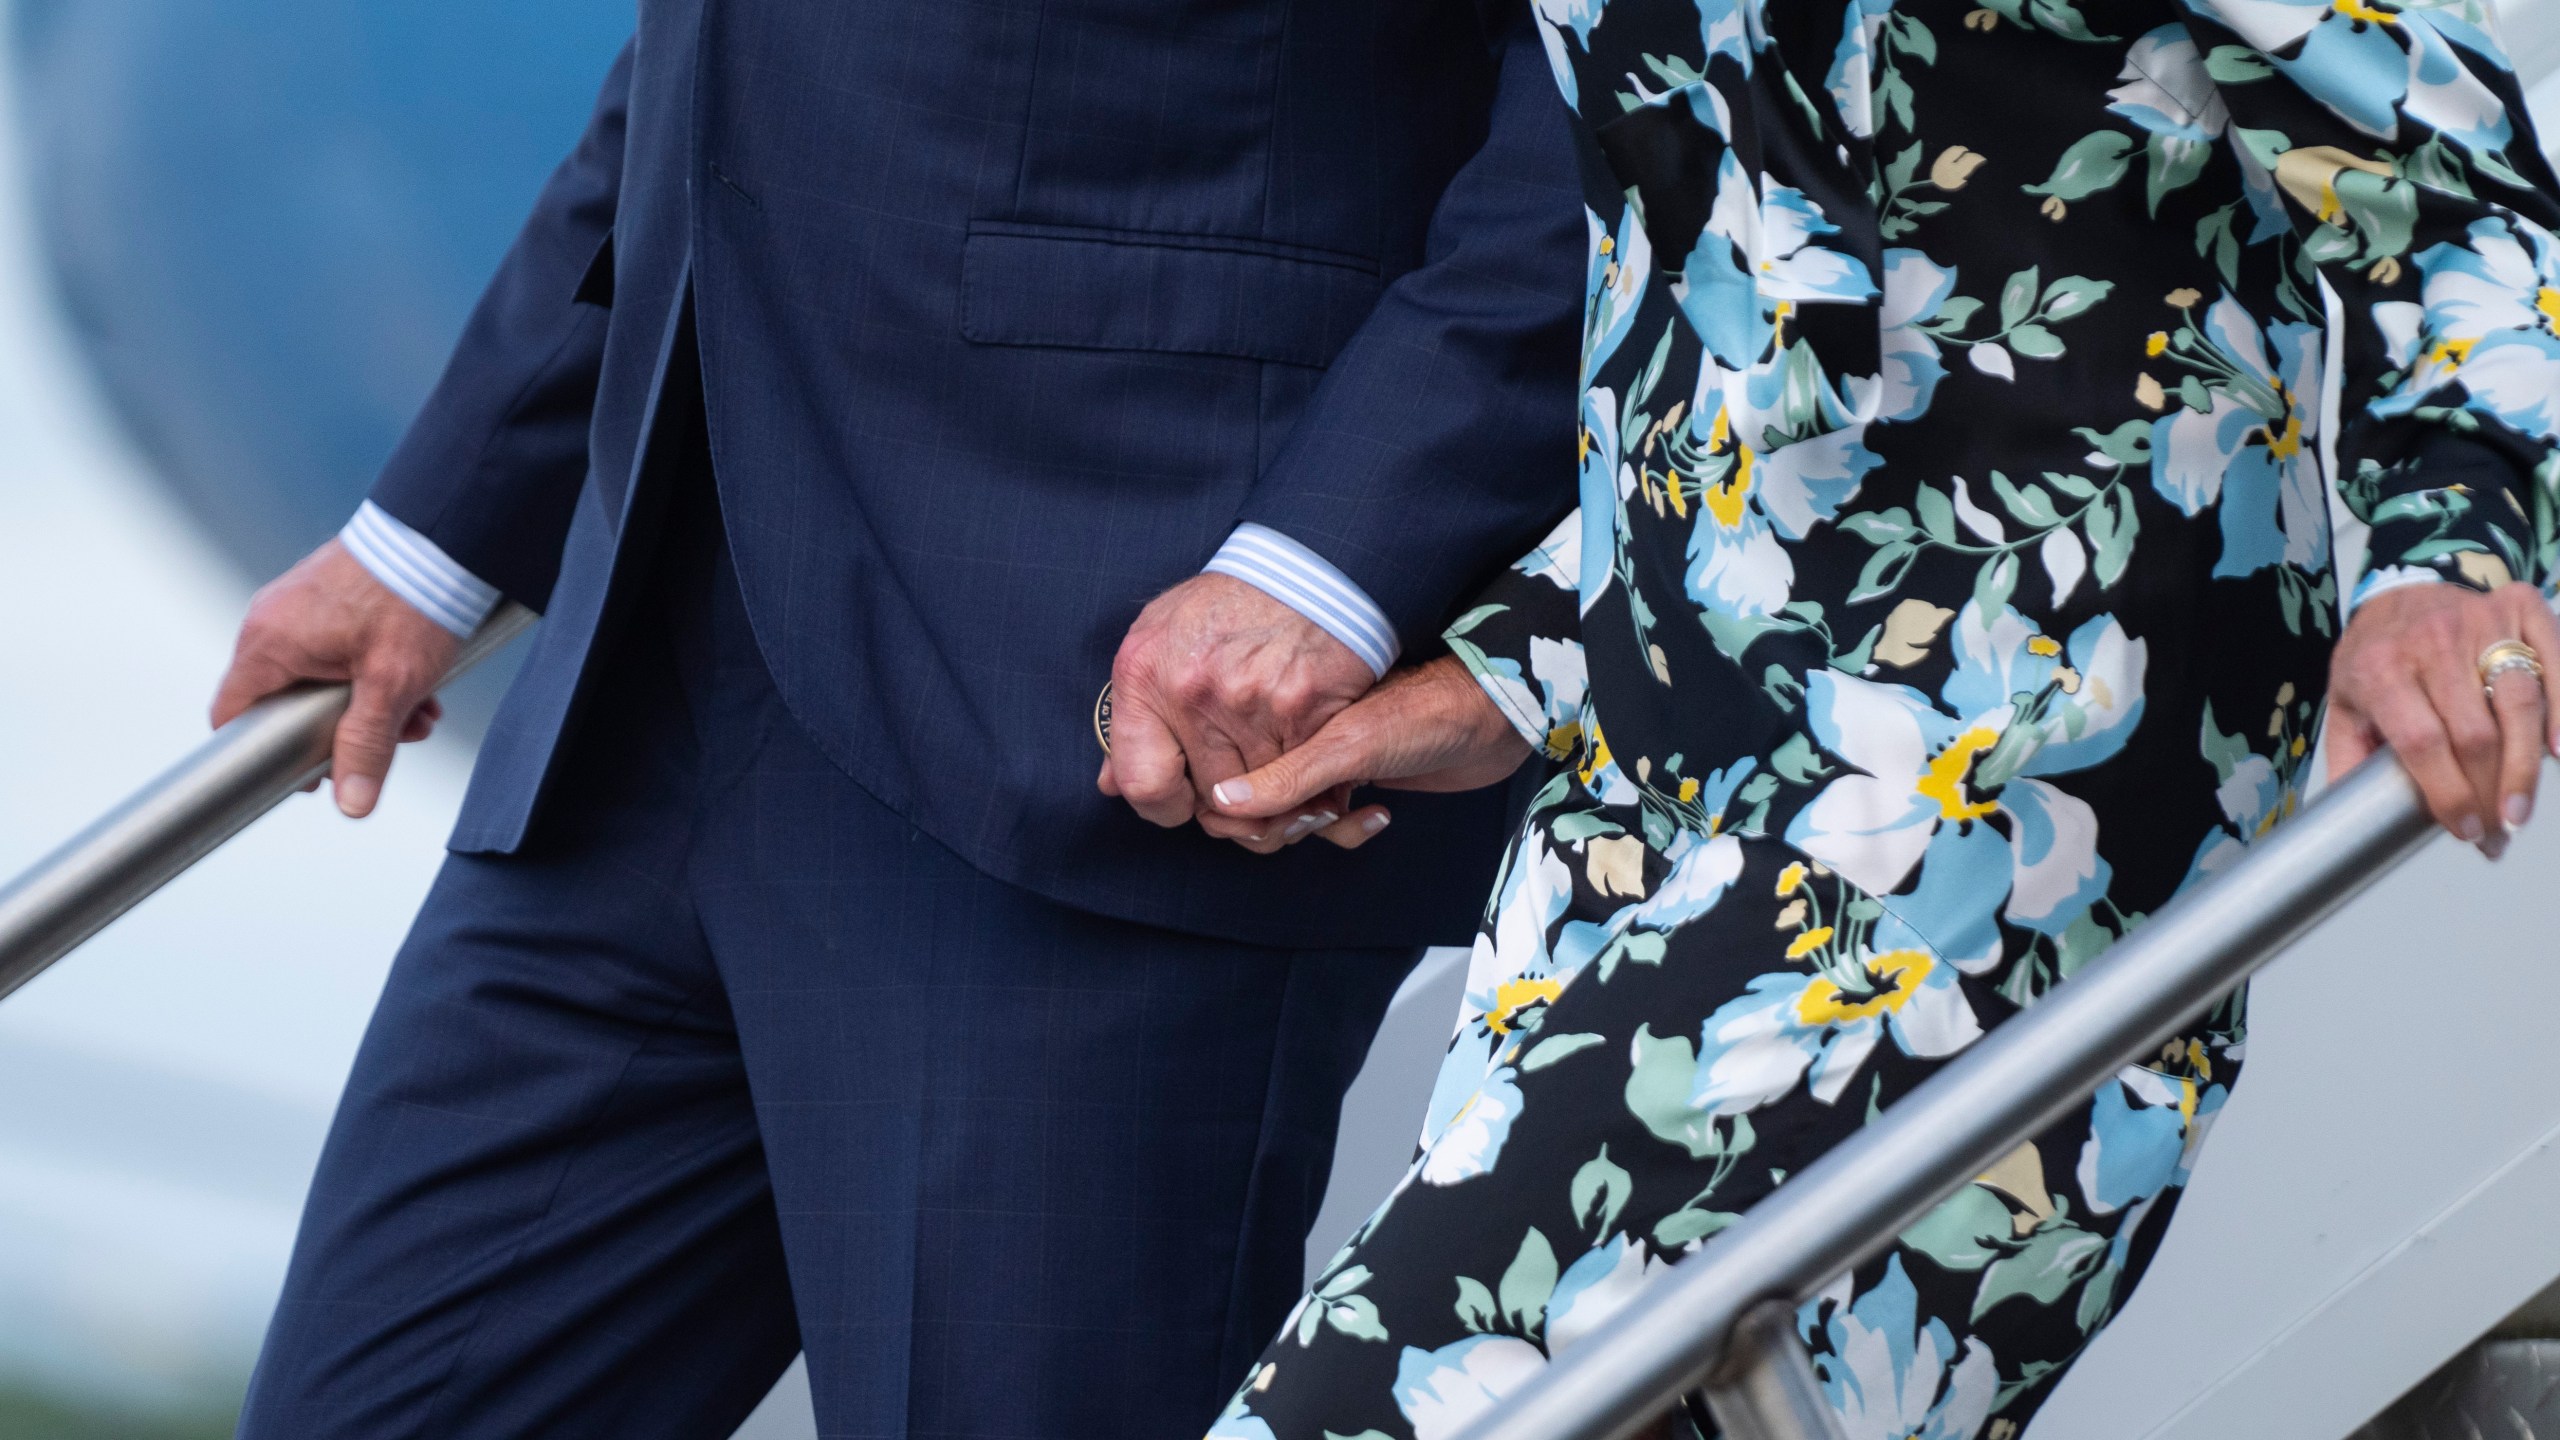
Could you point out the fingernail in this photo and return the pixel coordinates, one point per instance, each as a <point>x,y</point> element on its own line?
<point>1232,792</point>
<point>2495,845</point>
<point>356,794</point>
<point>2519,810</point>
<point>1305,823</point>
<point>2470,830</point>
<point>1375,823</point>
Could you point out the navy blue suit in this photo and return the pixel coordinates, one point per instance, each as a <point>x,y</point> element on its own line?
<point>1009,313</point>
<point>851,388</point>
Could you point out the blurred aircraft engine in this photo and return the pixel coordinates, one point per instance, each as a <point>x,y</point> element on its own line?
<point>270,220</point>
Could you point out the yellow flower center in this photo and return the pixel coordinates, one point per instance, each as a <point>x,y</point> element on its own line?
<point>2043,645</point>
<point>1689,789</point>
<point>1945,780</point>
<point>1808,942</point>
<point>1902,972</point>
<point>1729,497</point>
<point>2546,303</point>
<point>1791,879</point>
<point>2450,352</point>
<point>2158,342</point>
<point>1512,998</point>
<point>2358,10</point>
<point>2286,443</point>
<point>1596,757</point>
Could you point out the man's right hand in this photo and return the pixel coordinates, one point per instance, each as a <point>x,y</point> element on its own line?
<point>327,618</point>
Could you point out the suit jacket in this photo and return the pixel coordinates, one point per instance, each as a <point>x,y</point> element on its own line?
<point>1008,313</point>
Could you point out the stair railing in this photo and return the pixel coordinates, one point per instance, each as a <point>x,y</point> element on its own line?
<point>1723,1321</point>
<point>239,773</point>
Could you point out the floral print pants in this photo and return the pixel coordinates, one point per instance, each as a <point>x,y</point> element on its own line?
<point>1654,1038</point>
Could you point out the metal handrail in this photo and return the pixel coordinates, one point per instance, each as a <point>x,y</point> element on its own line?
<point>239,773</point>
<point>1705,1323</point>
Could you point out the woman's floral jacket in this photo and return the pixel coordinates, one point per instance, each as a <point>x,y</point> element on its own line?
<point>1952,488</point>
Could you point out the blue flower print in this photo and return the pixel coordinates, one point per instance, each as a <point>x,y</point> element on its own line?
<point>1441,1391</point>
<point>1916,288</point>
<point>1888,1376</point>
<point>2166,90</point>
<point>1813,1028</point>
<point>2491,321</point>
<point>1757,258</point>
<point>2368,60</point>
<point>2253,455</point>
<point>2019,705</point>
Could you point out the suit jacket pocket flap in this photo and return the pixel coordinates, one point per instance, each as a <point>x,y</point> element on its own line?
<point>1197,295</point>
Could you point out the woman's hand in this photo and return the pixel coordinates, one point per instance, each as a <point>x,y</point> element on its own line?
<point>2407,674</point>
<point>1427,728</point>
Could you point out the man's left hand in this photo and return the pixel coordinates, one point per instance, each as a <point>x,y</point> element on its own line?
<point>1217,678</point>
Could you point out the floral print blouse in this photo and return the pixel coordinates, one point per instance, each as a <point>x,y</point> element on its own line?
<point>1953,502</point>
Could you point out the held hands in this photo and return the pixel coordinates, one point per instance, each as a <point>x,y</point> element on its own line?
<point>1430,727</point>
<point>328,619</point>
<point>2407,674</point>
<point>1214,679</point>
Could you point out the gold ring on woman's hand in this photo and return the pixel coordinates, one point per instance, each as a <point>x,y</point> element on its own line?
<point>2504,656</point>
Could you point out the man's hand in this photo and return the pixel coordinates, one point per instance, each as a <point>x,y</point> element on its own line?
<point>1215,679</point>
<point>329,619</point>
<point>2406,674</point>
<point>1427,728</point>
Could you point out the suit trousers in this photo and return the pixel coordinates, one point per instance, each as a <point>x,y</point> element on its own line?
<point>731,1061</point>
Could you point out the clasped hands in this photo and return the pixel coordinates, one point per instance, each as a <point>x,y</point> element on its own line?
<point>1230,708</point>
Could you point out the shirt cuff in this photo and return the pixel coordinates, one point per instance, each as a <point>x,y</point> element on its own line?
<point>1309,584</point>
<point>414,568</point>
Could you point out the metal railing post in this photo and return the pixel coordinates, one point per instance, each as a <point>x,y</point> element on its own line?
<point>1851,1204</point>
<point>1765,1389</point>
<point>239,773</point>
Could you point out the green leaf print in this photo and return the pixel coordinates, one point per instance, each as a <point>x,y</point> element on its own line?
<point>1937,515</point>
<point>1356,1317</point>
<point>2035,342</point>
<point>2030,505</point>
<point>2173,165</point>
<point>2225,751</point>
<point>2054,1259</point>
<point>1658,1093</point>
<point>2127,444</point>
<point>1686,1226</point>
<point>2018,297</point>
<point>1879,527</point>
<point>1528,1283</point>
<point>2111,525</point>
<point>1796,762</point>
<point>1995,582</point>
<point>1344,1283</point>
<point>1474,618</point>
<point>1556,1047</point>
<point>1582,825</point>
<point>2236,65</point>
<point>2072,296</point>
<point>1645,947</point>
<point>1600,1191</point>
<point>1967,1231</point>
<point>1475,1305</point>
<point>1885,568</point>
<point>2093,163</point>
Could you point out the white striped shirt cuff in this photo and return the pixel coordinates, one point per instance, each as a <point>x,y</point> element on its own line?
<point>414,568</point>
<point>1307,583</point>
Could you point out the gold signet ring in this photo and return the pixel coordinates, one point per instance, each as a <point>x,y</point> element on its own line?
<point>1102,717</point>
<point>2504,656</point>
